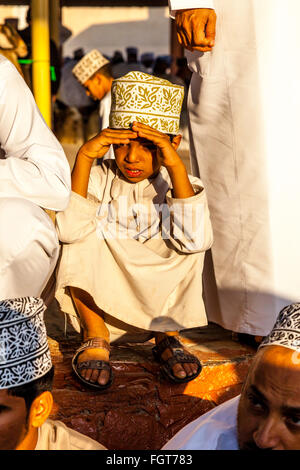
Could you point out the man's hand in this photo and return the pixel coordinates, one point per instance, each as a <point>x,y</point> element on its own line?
<point>99,145</point>
<point>196,28</point>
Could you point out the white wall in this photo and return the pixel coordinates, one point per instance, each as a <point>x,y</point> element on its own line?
<point>108,28</point>
<point>14,12</point>
<point>115,28</point>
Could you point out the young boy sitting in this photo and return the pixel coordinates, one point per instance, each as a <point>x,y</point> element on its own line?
<point>135,234</point>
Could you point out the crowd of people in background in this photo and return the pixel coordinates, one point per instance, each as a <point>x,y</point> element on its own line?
<point>66,92</point>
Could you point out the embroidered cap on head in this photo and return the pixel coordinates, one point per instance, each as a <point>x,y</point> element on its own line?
<point>141,97</point>
<point>88,65</point>
<point>286,331</point>
<point>24,350</point>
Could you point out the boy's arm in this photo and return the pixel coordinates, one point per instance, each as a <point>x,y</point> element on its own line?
<point>188,227</point>
<point>182,187</point>
<point>94,149</point>
<point>169,158</point>
<point>81,174</point>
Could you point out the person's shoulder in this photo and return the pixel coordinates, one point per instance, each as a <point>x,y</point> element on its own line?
<point>79,441</point>
<point>10,78</point>
<point>99,175</point>
<point>6,66</point>
<point>105,166</point>
<point>205,432</point>
<point>76,440</point>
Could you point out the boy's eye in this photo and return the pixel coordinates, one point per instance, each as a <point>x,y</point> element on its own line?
<point>120,145</point>
<point>150,146</point>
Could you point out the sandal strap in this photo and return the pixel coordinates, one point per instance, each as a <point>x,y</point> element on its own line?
<point>92,343</point>
<point>181,358</point>
<point>94,364</point>
<point>169,342</point>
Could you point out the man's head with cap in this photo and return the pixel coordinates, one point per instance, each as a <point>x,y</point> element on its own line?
<point>132,55</point>
<point>26,373</point>
<point>93,71</point>
<point>147,59</point>
<point>269,408</point>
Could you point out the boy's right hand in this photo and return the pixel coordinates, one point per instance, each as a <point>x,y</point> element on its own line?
<point>99,145</point>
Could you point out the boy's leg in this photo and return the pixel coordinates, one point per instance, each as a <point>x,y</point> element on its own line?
<point>179,370</point>
<point>93,326</point>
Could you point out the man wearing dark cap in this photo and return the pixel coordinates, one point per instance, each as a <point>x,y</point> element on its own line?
<point>266,416</point>
<point>132,64</point>
<point>26,375</point>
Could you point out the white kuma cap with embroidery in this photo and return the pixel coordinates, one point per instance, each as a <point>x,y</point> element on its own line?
<point>286,331</point>
<point>88,65</point>
<point>141,97</point>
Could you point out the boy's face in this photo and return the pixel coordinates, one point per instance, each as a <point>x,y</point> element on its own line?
<point>13,420</point>
<point>137,160</point>
<point>97,86</point>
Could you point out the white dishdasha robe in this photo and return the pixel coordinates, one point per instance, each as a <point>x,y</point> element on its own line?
<point>142,272</point>
<point>244,104</point>
<point>215,430</point>
<point>34,175</point>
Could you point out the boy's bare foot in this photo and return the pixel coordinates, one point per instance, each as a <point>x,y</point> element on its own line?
<point>91,362</point>
<point>170,351</point>
<point>94,375</point>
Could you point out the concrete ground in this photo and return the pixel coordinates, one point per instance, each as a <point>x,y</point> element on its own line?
<point>142,410</point>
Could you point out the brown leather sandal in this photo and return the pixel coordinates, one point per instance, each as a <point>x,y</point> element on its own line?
<point>180,356</point>
<point>92,343</point>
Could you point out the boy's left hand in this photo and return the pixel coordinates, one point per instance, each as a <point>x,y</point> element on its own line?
<point>167,155</point>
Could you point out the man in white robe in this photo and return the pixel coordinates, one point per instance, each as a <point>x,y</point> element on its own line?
<point>34,175</point>
<point>266,416</point>
<point>244,119</point>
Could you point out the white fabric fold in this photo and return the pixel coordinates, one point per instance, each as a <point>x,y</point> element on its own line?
<point>35,167</point>
<point>188,4</point>
<point>215,430</point>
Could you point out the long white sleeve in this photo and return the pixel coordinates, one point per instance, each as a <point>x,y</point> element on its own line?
<point>35,167</point>
<point>185,4</point>
<point>189,227</point>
